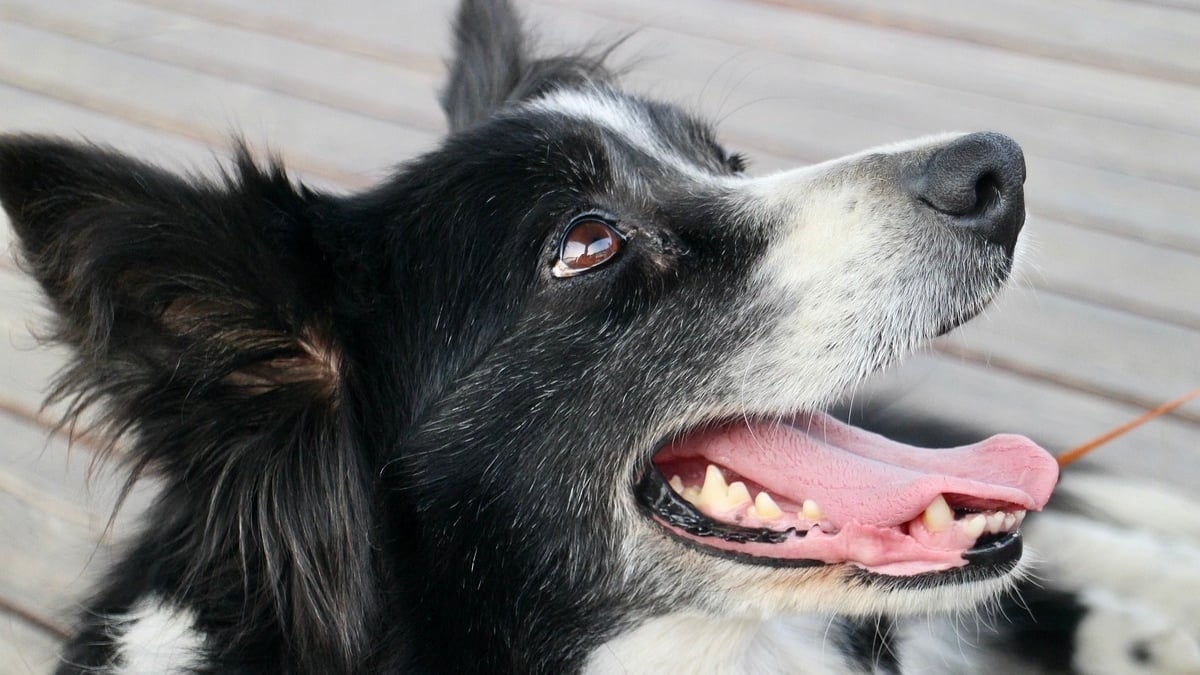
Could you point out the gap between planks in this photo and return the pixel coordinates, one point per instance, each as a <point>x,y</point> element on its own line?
<point>33,618</point>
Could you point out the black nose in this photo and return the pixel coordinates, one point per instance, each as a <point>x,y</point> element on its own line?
<point>976,179</point>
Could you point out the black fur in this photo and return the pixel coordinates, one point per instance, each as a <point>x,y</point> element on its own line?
<point>202,318</point>
<point>494,65</point>
<point>348,399</point>
<point>1043,623</point>
<point>383,431</point>
<point>867,642</point>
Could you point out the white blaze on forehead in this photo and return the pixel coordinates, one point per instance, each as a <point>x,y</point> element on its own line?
<point>622,117</point>
<point>158,638</point>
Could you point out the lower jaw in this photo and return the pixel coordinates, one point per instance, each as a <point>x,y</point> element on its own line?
<point>875,552</point>
<point>992,557</point>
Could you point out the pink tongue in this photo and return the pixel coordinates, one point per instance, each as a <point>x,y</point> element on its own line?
<point>857,476</point>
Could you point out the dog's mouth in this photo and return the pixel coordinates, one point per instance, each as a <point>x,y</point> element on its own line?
<point>812,490</point>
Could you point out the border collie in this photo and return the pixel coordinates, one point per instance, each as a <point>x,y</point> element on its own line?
<point>549,400</point>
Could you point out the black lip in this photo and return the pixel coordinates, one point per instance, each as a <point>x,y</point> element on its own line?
<point>656,495</point>
<point>992,555</point>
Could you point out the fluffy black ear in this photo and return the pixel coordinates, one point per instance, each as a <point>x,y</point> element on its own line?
<point>494,65</point>
<point>199,313</point>
<point>215,287</point>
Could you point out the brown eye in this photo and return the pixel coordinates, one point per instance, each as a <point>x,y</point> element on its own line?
<point>588,243</point>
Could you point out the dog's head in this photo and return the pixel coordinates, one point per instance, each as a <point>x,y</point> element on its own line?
<point>560,374</point>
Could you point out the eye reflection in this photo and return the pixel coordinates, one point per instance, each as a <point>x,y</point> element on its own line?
<point>589,243</point>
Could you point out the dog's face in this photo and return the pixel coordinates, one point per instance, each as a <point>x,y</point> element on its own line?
<point>576,358</point>
<point>677,314</point>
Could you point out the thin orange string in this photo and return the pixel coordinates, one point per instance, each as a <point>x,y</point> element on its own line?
<point>1081,450</point>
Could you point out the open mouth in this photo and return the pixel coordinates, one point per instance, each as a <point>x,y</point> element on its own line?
<point>812,490</point>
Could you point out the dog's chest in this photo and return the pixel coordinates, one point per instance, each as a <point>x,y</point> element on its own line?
<point>702,645</point>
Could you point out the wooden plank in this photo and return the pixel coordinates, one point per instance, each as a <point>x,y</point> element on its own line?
<point>55,506</point>
<point>1151,281</point>
<point>1085,346</point>
<point>29,112</point>
<point>427,26</point>
<point>184,101</point>
<point>49,564</point>
<point>1187,5</point>
<point>1143,39</point>
<point>26,366</point>
<point>865,48</point>
<point>25,649</point>
<point>368,86</point>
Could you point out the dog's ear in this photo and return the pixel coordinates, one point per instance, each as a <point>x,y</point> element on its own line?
<point>207,286</point>
<point>493,64</point>
<point>199,313</point>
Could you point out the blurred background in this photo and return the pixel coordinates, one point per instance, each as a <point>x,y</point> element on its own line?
<point>1104,95</point>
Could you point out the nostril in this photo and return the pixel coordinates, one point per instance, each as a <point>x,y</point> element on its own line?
<point>988,194</point>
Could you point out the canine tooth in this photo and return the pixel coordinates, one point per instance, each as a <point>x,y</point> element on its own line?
<point>938,515</point>
<point>738,494</point>
<point>810,511</point>
<point>715,489</point>
<point>995,521</point>
<point>765,507</point>
<point>692,494</point>
<point>677,484</point>
<point>974,525</point>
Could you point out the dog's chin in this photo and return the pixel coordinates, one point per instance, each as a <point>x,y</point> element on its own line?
<point>810,498</point>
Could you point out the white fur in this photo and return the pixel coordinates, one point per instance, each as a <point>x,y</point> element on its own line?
<point>1115,627</point>
<point>704,645</point>
<point>619,116</point>
<point>1082,553</point>
<point>858,275</point>
<point>157,638</point>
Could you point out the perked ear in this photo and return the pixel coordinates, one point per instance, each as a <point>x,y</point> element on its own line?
<point>494,65</point>
<point>200,317</point>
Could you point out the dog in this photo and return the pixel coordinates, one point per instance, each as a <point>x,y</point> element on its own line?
<point>552,399</point>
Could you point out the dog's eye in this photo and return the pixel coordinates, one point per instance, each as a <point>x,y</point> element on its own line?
<point>588,243</point>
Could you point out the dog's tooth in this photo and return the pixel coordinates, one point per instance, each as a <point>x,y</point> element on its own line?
<point>765,507</point>
<point>1010,522</point>
<point>715,489</point>
<point>938,515</point>
<point>1019,516</point>
<point>810,511</point>
<point>995,521</point>
<point>692,494</point>
<point>738,494</point>
<point>677,484</point>
<point>974,525</point>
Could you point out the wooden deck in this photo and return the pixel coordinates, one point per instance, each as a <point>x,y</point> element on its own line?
<point>1103,94</point>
